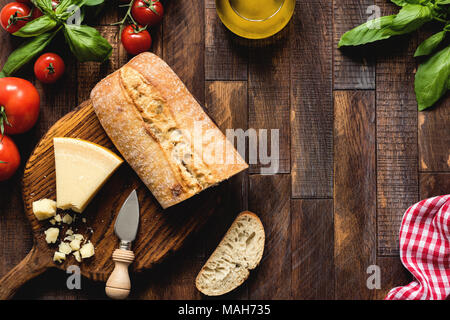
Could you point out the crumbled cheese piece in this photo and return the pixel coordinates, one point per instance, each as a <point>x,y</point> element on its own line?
<point>59,256</point>
<point>44,209</point>
<point>87,250</point>
<point>58,218</point>
<point>84,220</point>
<point>75,244</point>
<point>52,221</point>
<point>78,236</point>
<point>69,232</point>
<point>77,256</point>
<point>67,219</point>
<point>51,235</point>
<point>64,247</point>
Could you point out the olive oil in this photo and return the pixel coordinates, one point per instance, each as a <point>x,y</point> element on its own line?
<point>255,19</point>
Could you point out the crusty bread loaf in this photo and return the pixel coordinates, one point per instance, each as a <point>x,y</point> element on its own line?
<point>161,130</point>
<point>240,251</point>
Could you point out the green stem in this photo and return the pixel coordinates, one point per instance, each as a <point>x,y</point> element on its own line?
<point>3,120</point>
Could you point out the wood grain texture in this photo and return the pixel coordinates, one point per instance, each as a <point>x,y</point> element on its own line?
<point>90,73</point>
<point>226,104</point>
<point>354,192</point>
<point>226,58</point>
<point>434,184</point>
<point>311,100</point>
<point>393,274</point>
<point>184,43</point>
<point>434,140</point>
<point>354,67</point>
<point>269,199</point>
<point>397,177</point>
<point>268,99</point>
<point>312,240</point>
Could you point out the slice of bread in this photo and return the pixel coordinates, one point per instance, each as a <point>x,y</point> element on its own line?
<point>240,251</point>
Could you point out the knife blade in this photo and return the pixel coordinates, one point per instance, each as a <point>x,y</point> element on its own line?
<point>127,221</point>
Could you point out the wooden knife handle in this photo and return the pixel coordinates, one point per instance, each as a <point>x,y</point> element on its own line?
<point>118,285</point>
<point>31,266</point>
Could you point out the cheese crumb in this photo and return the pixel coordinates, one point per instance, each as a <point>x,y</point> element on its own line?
<point>67,219</point>
<point>58,218</point>
<point>65,248</point>
<point>69,232</point>
<point>87,250</point>
<point>51,235</point>
<point>52,221</point>
<point>75,244</point>
<point>59,256</point>
<point>77,256</point>
<point>44,209</point>
<point>78,236</point>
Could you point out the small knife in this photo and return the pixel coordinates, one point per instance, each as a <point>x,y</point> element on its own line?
<point>118,285</point>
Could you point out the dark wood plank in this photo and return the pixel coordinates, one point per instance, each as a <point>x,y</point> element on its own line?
<point>269,199</point>
<point>397,179</point>
<point>311,100</point>
<point>354,68</point>
<point>393,274</point>
<point>184,43</point>
<point>312,249</point>
<point>434,184</point>
<point>90,73</point>
<point>225,57</point>
<point>268,89</point>
<point>434,137</point>
<point>226,104</point>
<point>354,192</point>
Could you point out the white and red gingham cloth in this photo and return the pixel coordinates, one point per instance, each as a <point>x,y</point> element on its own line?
<point>425,250</point>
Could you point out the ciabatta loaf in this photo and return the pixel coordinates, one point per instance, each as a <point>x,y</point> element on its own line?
<point>162,132</point>
<point>240,251</point>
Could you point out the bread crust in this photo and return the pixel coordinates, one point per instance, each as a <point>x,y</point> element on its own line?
<point>125,103</point>
<point>215,252</point>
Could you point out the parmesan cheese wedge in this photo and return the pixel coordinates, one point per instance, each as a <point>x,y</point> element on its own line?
<point>82,168</point>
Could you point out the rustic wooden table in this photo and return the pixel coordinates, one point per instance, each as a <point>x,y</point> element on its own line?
<point>354,152</point>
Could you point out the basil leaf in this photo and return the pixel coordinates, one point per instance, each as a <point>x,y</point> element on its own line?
<point>373,30</point>
<point>92,3</point>
<point>26,52</point>
<point>432,79</point>
<point>36,27</point>
<point>45,6</point>
<point>429,45</point>
<point>442,2</point>
<point>64,6</point>
<point>411,17</point>
<point>86,43</point>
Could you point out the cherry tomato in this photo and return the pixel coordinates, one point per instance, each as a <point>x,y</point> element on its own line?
<point>9,158</point>
<point>19,105</point>
<point>136,39</point>
<point>147,12</point>
<point>49,67</point>
<point>14,16</point>
<point>55,3</point>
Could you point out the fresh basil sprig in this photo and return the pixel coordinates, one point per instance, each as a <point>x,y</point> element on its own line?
<point>85,42</point>
<point>432,77</point>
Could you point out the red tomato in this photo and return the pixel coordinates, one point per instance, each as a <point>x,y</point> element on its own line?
<point>147,12</point>
<point>49,67</point>
<point>9,158</point>
<point>136,39</point>
<point>14,16</point>
<point>19,101</point>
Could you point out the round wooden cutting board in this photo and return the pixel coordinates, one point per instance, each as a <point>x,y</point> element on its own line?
<point>160,231</point>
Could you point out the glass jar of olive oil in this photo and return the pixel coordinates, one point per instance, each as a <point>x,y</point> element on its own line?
<point>255,19</point>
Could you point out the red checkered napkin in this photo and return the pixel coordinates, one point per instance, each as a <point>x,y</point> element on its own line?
<point>425,250</point>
